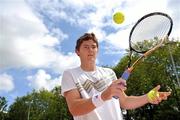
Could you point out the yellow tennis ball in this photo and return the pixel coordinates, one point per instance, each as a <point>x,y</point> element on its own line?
<point>153,94</point>
<point>118,17</point>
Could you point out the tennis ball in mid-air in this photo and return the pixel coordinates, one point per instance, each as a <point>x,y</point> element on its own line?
<point>118,17</point>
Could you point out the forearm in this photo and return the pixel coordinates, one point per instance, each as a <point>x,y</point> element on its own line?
<point>81,106</point>
<point>132,102</point>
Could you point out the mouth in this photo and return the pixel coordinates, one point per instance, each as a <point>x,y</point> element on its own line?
<point>91,55</point>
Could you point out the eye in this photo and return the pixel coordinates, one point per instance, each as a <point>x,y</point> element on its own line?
<point>94,46</point>
<point>86,46</point>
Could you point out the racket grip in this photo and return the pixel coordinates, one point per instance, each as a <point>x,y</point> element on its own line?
<point>126,74</point>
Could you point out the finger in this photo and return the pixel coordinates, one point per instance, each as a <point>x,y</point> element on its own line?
<point>116,81</point>
<point>117,92</point>
<point>154,102</point>
<point>119,80</point>
<point>164,98</point>
<point>121,86</point>
<point>164,95</point>
<point>159,99</point>
<point>122,82</point>
<point>157,87</point>
<point>168,93</point>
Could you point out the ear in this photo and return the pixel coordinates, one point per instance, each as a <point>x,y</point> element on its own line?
<point>77,52</point>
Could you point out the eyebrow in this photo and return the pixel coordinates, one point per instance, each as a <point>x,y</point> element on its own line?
<point>85,44</point>
<point>89,45</point>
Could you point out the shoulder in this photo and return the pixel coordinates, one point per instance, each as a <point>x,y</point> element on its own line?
<point>76,69</point>
<point>73,72</point>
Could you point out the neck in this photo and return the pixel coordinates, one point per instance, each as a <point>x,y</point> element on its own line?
<point>88,67</point>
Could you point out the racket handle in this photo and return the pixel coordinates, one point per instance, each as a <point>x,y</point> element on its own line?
<point>124,76</point>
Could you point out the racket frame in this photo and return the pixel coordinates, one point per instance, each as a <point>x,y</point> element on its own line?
<point>130,68</point>
<point>147,52</point>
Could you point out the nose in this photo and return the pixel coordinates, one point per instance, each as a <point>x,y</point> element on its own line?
<point>90,48</point>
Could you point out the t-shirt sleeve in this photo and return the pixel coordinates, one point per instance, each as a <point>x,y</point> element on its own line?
<point>67,82</point>
<point>114,74</point>
<point>111,73</point>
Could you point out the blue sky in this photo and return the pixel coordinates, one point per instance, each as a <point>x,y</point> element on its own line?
<point>37,38</point>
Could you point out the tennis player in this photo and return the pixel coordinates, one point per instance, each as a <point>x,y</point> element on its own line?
<point>89,89</point>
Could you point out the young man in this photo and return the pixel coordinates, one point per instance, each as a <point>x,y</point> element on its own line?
<point>89,90</point>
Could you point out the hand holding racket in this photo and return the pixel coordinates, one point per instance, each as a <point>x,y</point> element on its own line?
<point>148,34</point>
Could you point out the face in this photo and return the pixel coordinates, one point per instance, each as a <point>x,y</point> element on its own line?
<point>87,51</point>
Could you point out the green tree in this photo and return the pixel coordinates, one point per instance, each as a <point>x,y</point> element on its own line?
<point>3,108</point>
<point>40,105</point>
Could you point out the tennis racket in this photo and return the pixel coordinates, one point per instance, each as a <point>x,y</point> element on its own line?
<point>148,34</point>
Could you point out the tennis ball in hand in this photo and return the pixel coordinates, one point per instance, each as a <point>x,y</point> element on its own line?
<point>153,94</point>
<point>118,17</point>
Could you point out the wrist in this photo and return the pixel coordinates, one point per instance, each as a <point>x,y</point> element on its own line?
<point>147,99</point>
<point>103,96</point>
<point>97,100</point>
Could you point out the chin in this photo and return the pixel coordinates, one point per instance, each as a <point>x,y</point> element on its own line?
<point>92,60</point>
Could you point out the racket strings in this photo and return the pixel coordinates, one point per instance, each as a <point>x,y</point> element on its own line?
<point>164,32</point>
<point>165,28</point>
<point>149,32</point>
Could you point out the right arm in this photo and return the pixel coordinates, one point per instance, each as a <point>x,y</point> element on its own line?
<point>77,105</point>
<point>80,106</point>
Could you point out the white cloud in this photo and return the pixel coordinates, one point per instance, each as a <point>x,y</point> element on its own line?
<point>58,33</point>
<point>119,39</point>
<point>175,14</point>
<point>6,83</point>
<point>64,62</point>
<point>43,80</point>
<point>97,15</point>
<point>100,34</point>
<point>25,40</point>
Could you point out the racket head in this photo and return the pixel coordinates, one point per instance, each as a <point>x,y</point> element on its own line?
<point>149,31</point>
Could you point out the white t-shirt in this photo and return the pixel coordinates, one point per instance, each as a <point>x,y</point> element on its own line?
<point>90,83</point>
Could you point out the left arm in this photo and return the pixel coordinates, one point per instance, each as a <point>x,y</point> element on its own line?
<point>132,102</point>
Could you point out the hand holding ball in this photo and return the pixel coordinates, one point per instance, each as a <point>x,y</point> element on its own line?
<point>118,17</point>
<point>152,95</point>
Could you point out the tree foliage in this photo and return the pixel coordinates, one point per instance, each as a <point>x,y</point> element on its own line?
<point>40,105</point>
<point>3,108</point>
<point>156,69</point>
